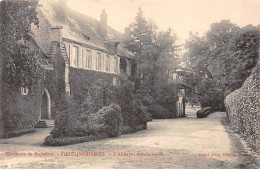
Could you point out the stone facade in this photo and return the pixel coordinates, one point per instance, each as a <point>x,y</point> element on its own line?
<point>243,109</point>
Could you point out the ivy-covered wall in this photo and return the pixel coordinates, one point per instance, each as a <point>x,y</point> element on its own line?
<point>79,78</point>
<point>21,112</point>
<point>243,107</point>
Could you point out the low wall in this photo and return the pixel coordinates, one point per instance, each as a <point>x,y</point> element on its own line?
<point>243,110</point>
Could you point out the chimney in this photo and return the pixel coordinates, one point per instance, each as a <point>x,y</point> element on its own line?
<point>103,24</point>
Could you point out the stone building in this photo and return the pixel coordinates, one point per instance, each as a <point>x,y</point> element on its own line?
<point>76,50</point>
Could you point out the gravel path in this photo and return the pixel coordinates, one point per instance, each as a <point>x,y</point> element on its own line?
<point>171,143</point>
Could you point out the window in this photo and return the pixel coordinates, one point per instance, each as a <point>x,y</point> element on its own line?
<point>115,65</point>
<point>87,60</point>
<point>98,61</point>
<point>24,91</point>
<point>84,58</point>
<point>103,63</point>
<point>74,56</point>
<point>94,66</point>
<point>107,63</point>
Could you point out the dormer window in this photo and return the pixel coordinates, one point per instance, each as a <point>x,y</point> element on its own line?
<point>87,37</point>
<point>24,91</point>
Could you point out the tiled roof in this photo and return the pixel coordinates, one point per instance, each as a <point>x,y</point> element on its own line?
<point>80,28</point>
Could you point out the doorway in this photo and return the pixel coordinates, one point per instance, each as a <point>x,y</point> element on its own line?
<point>46,105</point>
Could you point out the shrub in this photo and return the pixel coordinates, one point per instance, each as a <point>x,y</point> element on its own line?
<point>107,120</point>
<point>125,98</point>
<point>52,141</point>
<point>243,110</point>
<point>204,112</point>
<point>17,121</point>
<point>128,129</point>
<point>67,118</point>
<point>142,116</point>
<point>158,111</point>
<point>95,96</point>
<point>163,104</point>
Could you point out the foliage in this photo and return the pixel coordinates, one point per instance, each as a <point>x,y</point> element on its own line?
<point>156,54</point>
<point>220,61</point>
<point>141,112</point>
<point>107,120</point>
<point>132,108</point>
<point>16,121</point>
<point>22,63</point>
<point>53,141</point>
<point>153,49</point>
<point>166,97</point>
<point>204,112</point>
<point>243,110</point>
<point>158,111</point>
<point>67,118</point>
<point>95,96</point>
<point>125,98</point>
<point>128,129</point>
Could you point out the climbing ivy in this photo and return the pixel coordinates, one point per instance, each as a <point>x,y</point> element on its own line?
<point>21,61</point>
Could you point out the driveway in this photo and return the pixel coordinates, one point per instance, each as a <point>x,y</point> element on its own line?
<point>171,143</point>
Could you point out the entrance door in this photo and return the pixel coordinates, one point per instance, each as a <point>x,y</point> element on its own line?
<point>46,105</point>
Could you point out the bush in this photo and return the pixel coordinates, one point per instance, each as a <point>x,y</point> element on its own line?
<point>125,98</point>
<point>204,112</point>
<point>52,141</point>
<point>158,111</point>
<point>243,110</point>
<point>142,116</point>
<point>95,96</point>
<point>107,120</point>
<point>128,129</point>
<point>164,104</point>
<point>13,122</point>
<point>67,119</point>
<point>75,120</point>
<point>132,108</point>
<point>19,132</point>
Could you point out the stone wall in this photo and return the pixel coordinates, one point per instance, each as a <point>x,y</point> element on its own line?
<point>243,110</point>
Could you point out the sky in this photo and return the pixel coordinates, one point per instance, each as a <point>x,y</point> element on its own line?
<point>182,16</point>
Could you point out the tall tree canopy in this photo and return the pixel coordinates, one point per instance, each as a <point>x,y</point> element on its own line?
<point>21,61</point>
<point>154,50</point>
<point>220,61</point>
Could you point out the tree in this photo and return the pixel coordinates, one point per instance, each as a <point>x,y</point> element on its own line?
<point>155,52</point>
<point>220,61</point>
<point>22,63</point>
<point>153,49</point>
